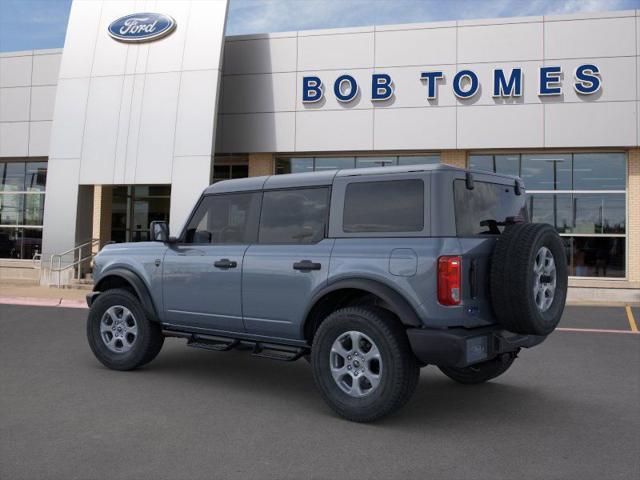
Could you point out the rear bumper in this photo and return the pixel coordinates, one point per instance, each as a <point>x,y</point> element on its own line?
<point>461,347</point>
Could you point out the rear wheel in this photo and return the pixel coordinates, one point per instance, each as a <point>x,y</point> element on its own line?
<point>481,372</point>
<point>119,332</point>
<point>363,364</point>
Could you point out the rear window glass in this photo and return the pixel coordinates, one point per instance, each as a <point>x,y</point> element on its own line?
<point>483,210</point>
<point>385,206</point>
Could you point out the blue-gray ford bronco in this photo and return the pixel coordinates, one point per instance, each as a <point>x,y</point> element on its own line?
<point>369,274</point>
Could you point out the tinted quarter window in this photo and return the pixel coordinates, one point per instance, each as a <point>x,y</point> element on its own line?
<point>479,211</point>
<point>294,215</point>
<point>229,218</point>
<point>384,206</point>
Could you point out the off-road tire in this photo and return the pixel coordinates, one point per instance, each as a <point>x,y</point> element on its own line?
<point>512,278</point>
<point>481,372</point>
<point>149,339</point>
<point>400,372</point>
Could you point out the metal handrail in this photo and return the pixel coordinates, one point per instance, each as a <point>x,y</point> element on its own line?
<point>78,248</point>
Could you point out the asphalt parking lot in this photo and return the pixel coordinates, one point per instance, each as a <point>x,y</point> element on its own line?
<point>569,409</point>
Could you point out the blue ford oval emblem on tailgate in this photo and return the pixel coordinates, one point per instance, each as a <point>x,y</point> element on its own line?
<point>141,27</point>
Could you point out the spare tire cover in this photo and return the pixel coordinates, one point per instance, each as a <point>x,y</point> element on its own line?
<point>529,278</point>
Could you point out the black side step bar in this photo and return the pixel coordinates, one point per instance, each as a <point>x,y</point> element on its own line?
<point>221,344</point>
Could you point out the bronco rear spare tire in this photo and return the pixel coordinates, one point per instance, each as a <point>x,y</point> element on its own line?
<point>529,278</point>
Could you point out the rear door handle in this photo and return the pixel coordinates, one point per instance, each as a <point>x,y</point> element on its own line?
<point>225,263</point>
<point>306,265</point>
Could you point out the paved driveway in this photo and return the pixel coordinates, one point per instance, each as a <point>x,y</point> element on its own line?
<point>569,409</point>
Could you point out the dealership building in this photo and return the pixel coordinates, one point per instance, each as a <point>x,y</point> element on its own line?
<point>102,137</point>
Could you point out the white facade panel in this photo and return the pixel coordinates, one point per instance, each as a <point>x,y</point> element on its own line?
<point>411,90</point>
<point>39,137</point>
<point>608,37</point>
<point>66,133</point>
<point>332,52</point>
<point>259,93</point>
<point>506,126</point>
<point>260,56</point>
<point>591,124</point>
<point>43,100</point>
<point>110,57</point>
<point>15,71</point>
<point>203,43</point>
<point>334,130</point>
<point>80,42</point>
<point>500,43</point>
<point>618,76</point>
<point>157,128</point>
<point>14,139</point>
<point>329,100</point>
<point>196,113</point>
<point>166,56</point>
<point>191,175</point>
<point>484,71</point>
<point>46,69</point>
<point>259,132</point>
<point>415,128</point>
<point>14,104</point>
<point>101,130</point>
<point>429,46</point>
<point>132,133</point>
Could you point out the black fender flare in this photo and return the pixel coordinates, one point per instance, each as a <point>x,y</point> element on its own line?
<point>399,305</point>
<point>136,283</point>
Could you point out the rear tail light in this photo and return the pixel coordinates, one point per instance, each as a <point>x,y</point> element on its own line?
<point>449,280</point>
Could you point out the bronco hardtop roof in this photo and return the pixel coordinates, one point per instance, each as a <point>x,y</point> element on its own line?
<point>311,179</point>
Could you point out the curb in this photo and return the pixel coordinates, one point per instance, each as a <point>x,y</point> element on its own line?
<point>43,302</point>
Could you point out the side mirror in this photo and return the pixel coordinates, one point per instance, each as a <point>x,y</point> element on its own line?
<point>159,231</point>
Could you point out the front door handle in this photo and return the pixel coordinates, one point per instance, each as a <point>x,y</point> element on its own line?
<point>225,263</point>
<point>306,265</point>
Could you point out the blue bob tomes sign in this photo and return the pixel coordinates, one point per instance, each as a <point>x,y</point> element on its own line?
<point>141,27</point>
<point>465,84</point>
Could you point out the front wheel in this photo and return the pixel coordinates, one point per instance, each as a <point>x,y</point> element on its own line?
<point>119,332</point>
<point>363,364</point>
<point>481,372</point>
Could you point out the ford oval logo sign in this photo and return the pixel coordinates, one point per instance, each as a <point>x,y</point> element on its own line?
<point>141,27</point>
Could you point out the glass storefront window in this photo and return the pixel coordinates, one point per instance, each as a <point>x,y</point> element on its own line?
<point>368,162</point>
<point>13,177</point>
<point>11,209</point>
<point>36,176</point>
<point>310,164</point>
<point>508,164</point>
<point>546,171</point>
<point>599,171</point>
<point>554,209</point>
<point>590,216</point>
<point>333,163</point>
<point>596,256</point>
<point>418,159</point>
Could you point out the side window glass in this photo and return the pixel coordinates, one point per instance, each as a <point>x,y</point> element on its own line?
<point>229,218</point>
<point>294,215</point>
<point>384,206</point>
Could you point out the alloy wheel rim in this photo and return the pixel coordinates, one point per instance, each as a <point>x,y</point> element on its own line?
<point>118,329</point>
<point>544,280</point>
<point>356,364</point>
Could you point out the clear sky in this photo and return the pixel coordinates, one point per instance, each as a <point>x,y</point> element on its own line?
<point>32,24</point>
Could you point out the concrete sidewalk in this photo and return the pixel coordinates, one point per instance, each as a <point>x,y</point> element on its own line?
<point>16,293</point>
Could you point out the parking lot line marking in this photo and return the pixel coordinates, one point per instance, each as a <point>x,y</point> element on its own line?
<point>596,330</point>
<point>632,321</point>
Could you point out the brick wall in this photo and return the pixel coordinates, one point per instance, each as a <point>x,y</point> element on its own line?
<point>261,164</point>
<point>633,227</point>
<point>456,158</point>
